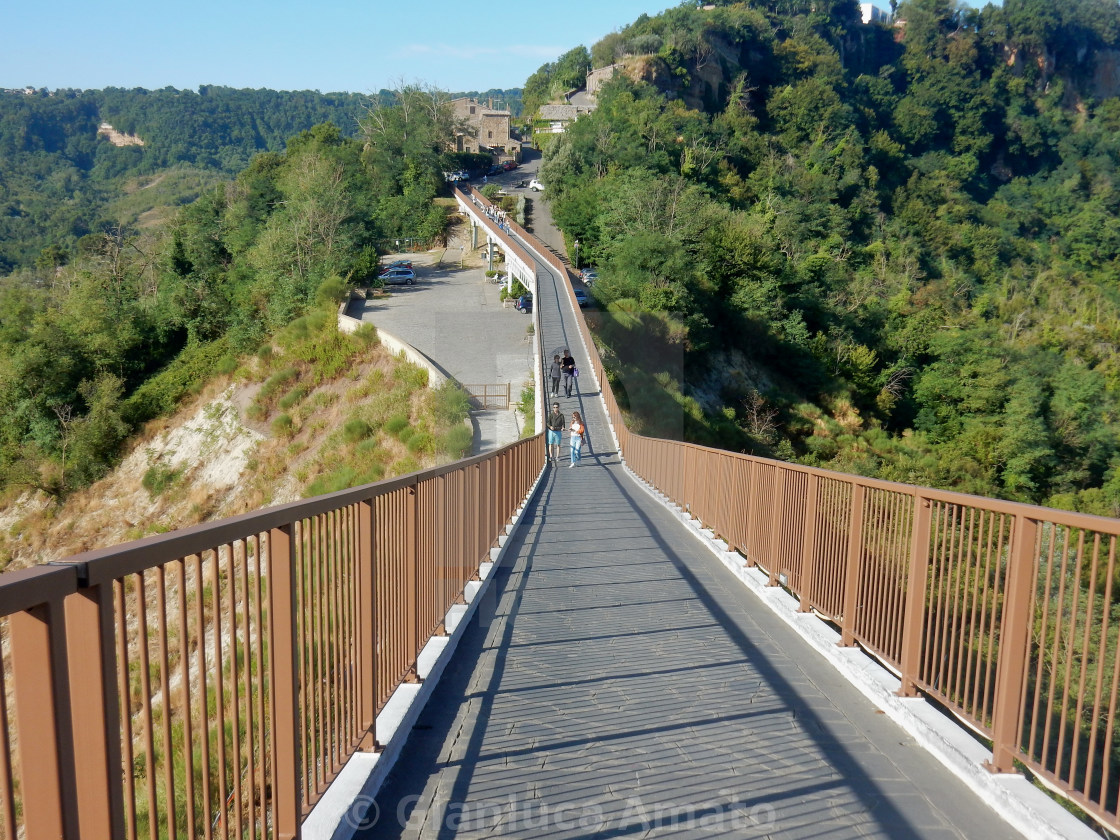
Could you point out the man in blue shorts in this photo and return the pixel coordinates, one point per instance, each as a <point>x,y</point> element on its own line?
<point>555,426</point>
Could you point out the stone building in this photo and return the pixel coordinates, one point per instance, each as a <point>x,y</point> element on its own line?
<point>486,128</point>
<point>596,78</point>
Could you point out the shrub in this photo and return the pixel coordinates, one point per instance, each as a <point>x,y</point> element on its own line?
<point>457,441</point>
<point>406,434</point>
<point>405,465</point>
<point>161,393</point>
<point>396,423</point>
<point>282,424</point>
<point>420,443</point>
<point>411,375</point>
<point>274,382</point>
<point>355,429</point>
<point>366,334</point>
<point>158,478</point>
<point>367,446</point>
<point>293,397</point>
<point>345,477</point>
<point>450,403</point>
<point>332,291</point>
<point>227,364</point>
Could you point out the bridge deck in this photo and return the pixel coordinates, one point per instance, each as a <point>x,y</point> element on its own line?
<point>619,682</point>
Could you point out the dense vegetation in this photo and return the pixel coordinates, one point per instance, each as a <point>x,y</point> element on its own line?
<point>890,251</point>
<point>139,318</point>
<point>60,180</point>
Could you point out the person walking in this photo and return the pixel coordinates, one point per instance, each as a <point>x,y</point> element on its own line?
<point>578,430</point>
<point>568,367</point>
<point>555,429</point>
<point>554,375</point>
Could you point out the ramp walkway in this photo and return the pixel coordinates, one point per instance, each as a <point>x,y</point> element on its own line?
<point>618,681</point>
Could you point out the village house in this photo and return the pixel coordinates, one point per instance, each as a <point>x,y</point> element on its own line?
<point>486,128</point>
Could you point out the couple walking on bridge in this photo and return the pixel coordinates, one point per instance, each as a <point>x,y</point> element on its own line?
<point>578,433</point>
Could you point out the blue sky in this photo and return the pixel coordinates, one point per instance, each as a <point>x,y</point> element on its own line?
<point>332,45</point>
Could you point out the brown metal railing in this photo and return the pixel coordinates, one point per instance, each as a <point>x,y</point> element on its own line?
<point>1007,614</point>
<point>212,682</point>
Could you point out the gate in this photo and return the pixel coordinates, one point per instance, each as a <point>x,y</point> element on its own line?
<point>489,396</point>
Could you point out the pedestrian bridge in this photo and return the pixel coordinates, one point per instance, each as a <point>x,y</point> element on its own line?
<point>667,641</point>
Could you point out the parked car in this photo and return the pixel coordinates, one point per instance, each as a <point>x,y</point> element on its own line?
<point>536,185</point>
<point>582,297</point>
<point>397,264</point>
<point>496,169</point>
<point>398,277</point>
<point>509,165</point>
<point>589,276</point>
<point>525,303</point>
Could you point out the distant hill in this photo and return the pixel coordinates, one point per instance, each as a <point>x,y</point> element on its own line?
<point>59,168</point>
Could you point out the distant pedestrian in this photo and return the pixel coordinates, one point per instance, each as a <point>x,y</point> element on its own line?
<point>567,369</point>
<point>554,374</point>
<point>555,426</point>
<point>578,431</point>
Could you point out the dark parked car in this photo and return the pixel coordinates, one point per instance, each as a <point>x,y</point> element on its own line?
<point>397,264</point>
<point>581,297</point>
<point>525,303</point>
<point>398,277</point>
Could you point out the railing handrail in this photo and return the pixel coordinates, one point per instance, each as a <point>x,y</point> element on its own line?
<point>1090,521</point>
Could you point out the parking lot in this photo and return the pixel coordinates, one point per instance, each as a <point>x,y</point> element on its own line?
<point>453,316</point>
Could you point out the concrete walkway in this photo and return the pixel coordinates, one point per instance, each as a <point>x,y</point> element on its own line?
<point>620,682</point>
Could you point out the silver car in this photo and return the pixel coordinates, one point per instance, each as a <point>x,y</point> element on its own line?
<point>398,277</point>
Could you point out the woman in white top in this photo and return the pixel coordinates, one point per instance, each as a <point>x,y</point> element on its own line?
<point>578,431</point>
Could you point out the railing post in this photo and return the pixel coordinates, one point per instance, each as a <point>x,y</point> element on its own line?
<point>808,546</point>
<point>913,618</point>
<point>753,496</point>
<point>284,656</point>
<point>42,709</point>
<point>776,525</point>
<point>1014,641</point>
<point>367,623</point>
<point>852,568</point>
<point>92,665</point>
<point>411,559</point>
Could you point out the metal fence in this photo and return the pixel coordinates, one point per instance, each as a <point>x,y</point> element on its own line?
<point>1006,614</point>
<point>491,396</point>
<point>212,682</point>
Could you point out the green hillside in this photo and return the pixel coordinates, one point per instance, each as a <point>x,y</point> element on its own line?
<point>117,332</point>
<point>61,180</point>
<point>889,249</point>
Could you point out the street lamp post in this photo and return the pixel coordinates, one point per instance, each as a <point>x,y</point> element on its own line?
<point>576,243</point>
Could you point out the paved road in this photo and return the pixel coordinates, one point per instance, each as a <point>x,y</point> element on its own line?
<point>453,316</point>
<point>619,682</point>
